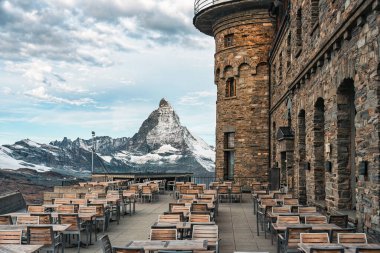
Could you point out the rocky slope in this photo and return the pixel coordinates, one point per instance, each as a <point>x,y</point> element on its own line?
<point>161,144</point>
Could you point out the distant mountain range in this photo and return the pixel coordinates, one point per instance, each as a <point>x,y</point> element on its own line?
<point>162,144</point>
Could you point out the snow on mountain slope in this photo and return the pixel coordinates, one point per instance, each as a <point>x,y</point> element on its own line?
<point>161,143</point>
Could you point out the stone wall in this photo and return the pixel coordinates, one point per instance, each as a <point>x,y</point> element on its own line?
<point>332,77</point>
<point>247,113</point>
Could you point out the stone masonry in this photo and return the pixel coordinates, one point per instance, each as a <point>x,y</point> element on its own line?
<point>307,98</point>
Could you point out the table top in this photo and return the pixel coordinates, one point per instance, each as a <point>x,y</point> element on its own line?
<point>17,248</point>
<point>349,247</point>
<point>170,245</point>
<point>282,227</point>
<point>56,227</point>
<point>84,216</point>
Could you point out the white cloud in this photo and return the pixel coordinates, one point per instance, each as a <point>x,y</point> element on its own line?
<point>196,98</point>
<point>41,94</point>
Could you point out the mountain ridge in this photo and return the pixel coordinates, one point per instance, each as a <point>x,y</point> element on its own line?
<point>161,144</point>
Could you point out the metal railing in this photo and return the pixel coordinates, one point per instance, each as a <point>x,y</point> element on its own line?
<point>203,4</point>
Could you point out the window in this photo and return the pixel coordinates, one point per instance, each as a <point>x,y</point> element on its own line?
<point>228,40</point>
<point>231,87</point>
<point>229,155</point>
<point>229,140</point>
<point>289,51</point>
<point>280,67</point>
<point>314,11</point>
<point>299,28</point>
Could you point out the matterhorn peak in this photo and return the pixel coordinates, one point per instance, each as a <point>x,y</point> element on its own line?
<point>164,103</point>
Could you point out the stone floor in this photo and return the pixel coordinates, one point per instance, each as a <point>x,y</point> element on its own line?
<point>237,227</point>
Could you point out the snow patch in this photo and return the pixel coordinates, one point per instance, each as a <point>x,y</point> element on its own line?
<point>167,148</point>
<point>8,162</point>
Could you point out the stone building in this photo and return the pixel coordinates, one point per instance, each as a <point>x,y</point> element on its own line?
<point>299,89</point>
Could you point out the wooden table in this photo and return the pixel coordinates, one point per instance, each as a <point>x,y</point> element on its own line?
<point>56,227</point>
<point>17,248</point>
<point>348,247</point>
<point>282,227</point>
<point>170,245</point>
<point>83,216</point>
<point>181,225</point>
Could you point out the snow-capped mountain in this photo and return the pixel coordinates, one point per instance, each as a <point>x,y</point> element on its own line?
<point>161,144</point>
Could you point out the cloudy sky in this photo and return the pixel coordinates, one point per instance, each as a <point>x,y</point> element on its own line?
<point>68,67</point>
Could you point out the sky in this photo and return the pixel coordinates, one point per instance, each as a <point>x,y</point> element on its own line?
<point>69,67</point>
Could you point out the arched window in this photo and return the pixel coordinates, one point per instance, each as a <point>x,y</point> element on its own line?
<point>314,11</point>
<point>231,87</point>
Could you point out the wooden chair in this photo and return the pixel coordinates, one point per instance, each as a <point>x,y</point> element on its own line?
<point>147,193</point>
<point>5,220</point>
<point>163,234</point>
<point>44,235</point>
<point>318,219</point>
<point>81,202</point>
<point>22,220</point>
<point>44,218</point>
<point>261,215</point>
<point>75,226</point>
<point>106,244</point>
<point>367,250</point>
<point>184,209</point>
<point>281,209</point>
<point>199,217</point>
<point>174,204</point>
<point>281,220</point>
<point>314,238</point>
<point>189,196</point>
<point>186,201</point>
<point>290,202</point>
<point>196,207</point>
<point>93,195</point>
<point>289,241</point>
<point>65,209</point>
<point>334,233</point>
<point>62,201</point>
<point>207,232</point>
<point>101,216</point>
<point>169,218</point>
<point>236,193</point>
<point>223,194</point>
<point>307,209</point>
<point>352,238</point>
<point>127,250</point>
<point>339,220</point>
<point>321,249</point>
<point>35,209</point>
<point>70,196</point>
<point>10,236</point>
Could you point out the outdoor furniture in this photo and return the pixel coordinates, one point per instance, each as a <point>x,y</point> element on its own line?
<point>163,234</point>
<point>289,241</point>
<point>352,238</point>
<point>207,232</point>
<point>20,248</point>
<point>171,205</point>
<point>236,193</point>
<point>315,219</point>
<point>223,193</point>
<point>261,215</point>
<point>290,202</point>
<point>314,238</point>
<point>81,202</point>
<point>324,249</point>
<point>35,209</point>
<point>62,201</point>
<point>127,250</point>
<point>170,245</point>
<point>106,244</point>
<point>334,233</point>
<point>10,236</point>
<point>69,196</point>
<point>199,217</point>
<point>65,209</point>
<point>196,207</point>
<point>101,216</point>
<point>367,250</point>
<point>281,209</point>
<point>147,194</point>
<point>75,226</point>
<point>169,218</point>
<point>44,235</point>
<point>307,209</point>
<point>27,220</point>
<point>340,220</point>
<point>5,220</point>
<point>44,218</point>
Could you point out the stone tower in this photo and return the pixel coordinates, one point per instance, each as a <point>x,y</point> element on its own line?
<point>243,32</point>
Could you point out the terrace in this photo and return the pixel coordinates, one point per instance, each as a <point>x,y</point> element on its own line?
<point>129,210</point>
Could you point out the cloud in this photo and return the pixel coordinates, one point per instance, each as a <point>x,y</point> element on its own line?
<point>41,94</point>
<point>196,98</point>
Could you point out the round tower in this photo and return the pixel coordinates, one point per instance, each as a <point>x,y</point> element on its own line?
<point>243,33</point>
